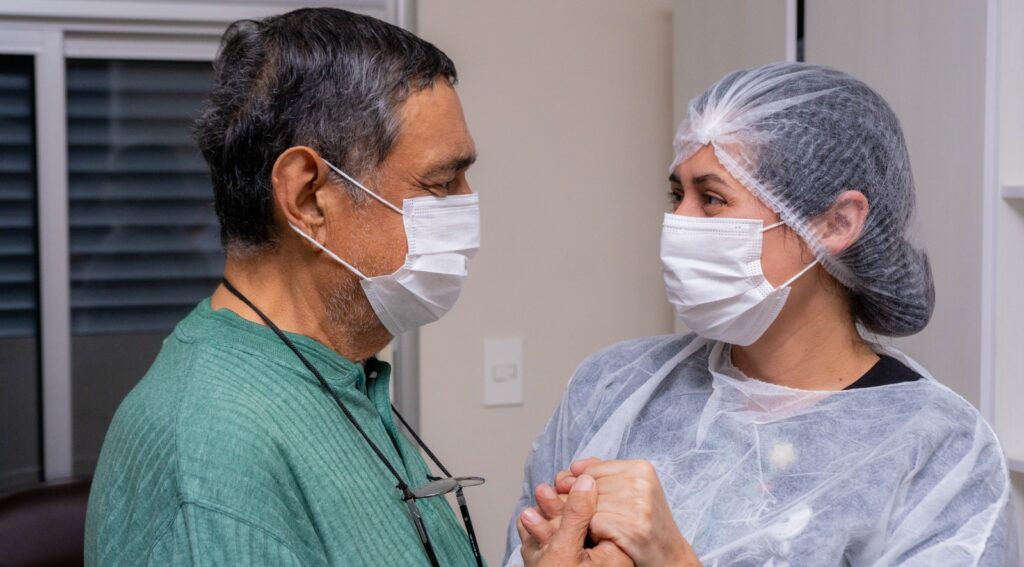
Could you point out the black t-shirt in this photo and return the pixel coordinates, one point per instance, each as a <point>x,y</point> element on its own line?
<point>886,371</point>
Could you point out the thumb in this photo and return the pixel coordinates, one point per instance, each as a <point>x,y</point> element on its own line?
<point>579,508</point>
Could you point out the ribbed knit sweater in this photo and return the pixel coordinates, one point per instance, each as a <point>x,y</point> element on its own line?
<point>229,452</point>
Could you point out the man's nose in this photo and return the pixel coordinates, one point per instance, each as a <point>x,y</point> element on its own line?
<point>463,187</point>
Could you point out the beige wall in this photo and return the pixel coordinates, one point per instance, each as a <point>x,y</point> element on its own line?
<point>1009,388</point>
<point>570,106</point>
<point>761,23</point>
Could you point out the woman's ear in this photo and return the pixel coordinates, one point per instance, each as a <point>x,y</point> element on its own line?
<point>296,177</point>
<point>841,225</point>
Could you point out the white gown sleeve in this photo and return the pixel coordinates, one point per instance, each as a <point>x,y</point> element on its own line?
<point>956,508</point>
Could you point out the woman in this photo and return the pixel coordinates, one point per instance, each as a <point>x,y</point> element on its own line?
<point>784,430</point>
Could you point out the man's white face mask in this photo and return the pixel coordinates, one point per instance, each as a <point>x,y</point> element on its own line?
<point>442,234</point>
<point>713,276</point>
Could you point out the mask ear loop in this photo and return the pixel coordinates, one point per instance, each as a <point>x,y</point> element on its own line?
<point>367,191</point>
<point>328,252</point>
<point>806,269</point>
<point>334,256</point>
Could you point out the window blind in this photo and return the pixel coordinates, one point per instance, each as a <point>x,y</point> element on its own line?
<point>18,266</point>
<point>144,238</point>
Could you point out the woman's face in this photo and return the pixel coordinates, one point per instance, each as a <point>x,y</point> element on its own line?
<point>701,187</point>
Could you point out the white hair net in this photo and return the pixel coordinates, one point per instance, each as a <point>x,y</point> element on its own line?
<point>797,136</point>
<point>761,474</point>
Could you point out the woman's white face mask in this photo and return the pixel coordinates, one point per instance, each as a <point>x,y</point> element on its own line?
<point>713,277</point>
<point>442,235</point>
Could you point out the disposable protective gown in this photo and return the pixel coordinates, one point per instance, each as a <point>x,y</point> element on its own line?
<point>761,474</point>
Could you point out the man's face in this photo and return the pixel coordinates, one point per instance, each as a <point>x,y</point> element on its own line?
<point>430,157</point>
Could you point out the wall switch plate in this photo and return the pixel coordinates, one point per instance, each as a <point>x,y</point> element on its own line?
<point>503,371</point>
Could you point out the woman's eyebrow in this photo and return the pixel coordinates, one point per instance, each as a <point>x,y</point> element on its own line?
<point>709,178</point>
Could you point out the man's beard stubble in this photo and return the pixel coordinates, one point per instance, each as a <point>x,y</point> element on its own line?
<point>350,312</point>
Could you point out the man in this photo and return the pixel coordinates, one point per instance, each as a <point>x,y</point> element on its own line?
<point>263,434</point>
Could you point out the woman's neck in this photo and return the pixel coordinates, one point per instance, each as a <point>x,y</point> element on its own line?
<point>812,345</point>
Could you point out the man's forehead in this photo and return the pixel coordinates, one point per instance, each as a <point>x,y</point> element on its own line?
<point>434,106</point>
<point>433,131</point>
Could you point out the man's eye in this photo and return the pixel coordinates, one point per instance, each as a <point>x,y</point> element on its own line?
<point>675,197</point>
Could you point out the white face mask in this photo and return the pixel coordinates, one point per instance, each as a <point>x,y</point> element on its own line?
<point>713,276</point>
<point>442,234</point>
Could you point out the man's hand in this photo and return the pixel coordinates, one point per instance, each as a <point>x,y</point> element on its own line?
<point>560,543</point>
<point>631,511</point>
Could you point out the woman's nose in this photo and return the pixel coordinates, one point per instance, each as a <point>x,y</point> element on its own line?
<point>689,207</point>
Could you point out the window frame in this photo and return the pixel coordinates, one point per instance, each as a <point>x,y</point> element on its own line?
<point>53,31</point>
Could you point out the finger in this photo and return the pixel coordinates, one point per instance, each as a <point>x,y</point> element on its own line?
<point>564,485</point>
<point>609,554</point>
<point>560,479</point>
<point>537,526</point>
<point>581,465</point>
<point>529,548</point>
<point>562,474</point>
<point>548,501</point>
<point>631,468</point>
<point>576,514</point>
<point>621,508</point>
<point>613,488</point>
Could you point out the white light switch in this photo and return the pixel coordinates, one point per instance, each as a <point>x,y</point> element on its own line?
<point>503,371</point>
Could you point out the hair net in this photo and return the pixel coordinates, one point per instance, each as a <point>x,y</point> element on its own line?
<point>797,136</point>
<point>761,474</point>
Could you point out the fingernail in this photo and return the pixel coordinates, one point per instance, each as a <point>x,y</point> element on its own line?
<point>583,483</point>
<point>530,516</point>
<point>547,492</point>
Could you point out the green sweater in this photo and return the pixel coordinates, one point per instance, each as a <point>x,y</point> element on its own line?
<point>229,452</point>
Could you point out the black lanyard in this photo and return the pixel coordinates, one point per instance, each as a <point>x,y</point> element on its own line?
<point>402,486</point>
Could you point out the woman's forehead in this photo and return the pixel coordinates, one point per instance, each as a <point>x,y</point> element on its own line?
<point>703,167</point>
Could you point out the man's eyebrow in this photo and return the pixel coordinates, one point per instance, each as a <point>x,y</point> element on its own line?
<point>451,166</point>
<point>674,179</point>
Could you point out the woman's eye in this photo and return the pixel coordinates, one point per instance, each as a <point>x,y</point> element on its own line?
<point>675,197</point>
<point>713,200</point>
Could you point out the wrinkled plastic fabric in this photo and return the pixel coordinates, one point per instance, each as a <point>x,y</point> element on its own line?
<point>760,474</point>
<point>797,136</point>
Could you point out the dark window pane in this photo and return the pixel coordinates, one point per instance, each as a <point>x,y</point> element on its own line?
<point>144,241</point>
<point>20,460</point>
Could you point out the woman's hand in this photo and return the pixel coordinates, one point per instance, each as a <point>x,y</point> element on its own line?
<point>559,542</point>
<point>631,510</point>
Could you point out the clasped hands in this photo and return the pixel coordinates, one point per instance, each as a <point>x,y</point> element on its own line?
<point>603,513</point>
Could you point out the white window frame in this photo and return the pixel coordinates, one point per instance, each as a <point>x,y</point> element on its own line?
<point>52,31</point>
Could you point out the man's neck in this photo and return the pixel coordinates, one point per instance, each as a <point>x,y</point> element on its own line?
<point>295,305</point>
<point>813,346</point>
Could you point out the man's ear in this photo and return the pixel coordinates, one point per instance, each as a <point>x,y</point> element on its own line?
<point>297,175</point>
<point>841,225</point>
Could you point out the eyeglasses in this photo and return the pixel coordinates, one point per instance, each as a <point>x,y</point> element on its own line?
<point>441,487</point>
<point>437,486</point>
